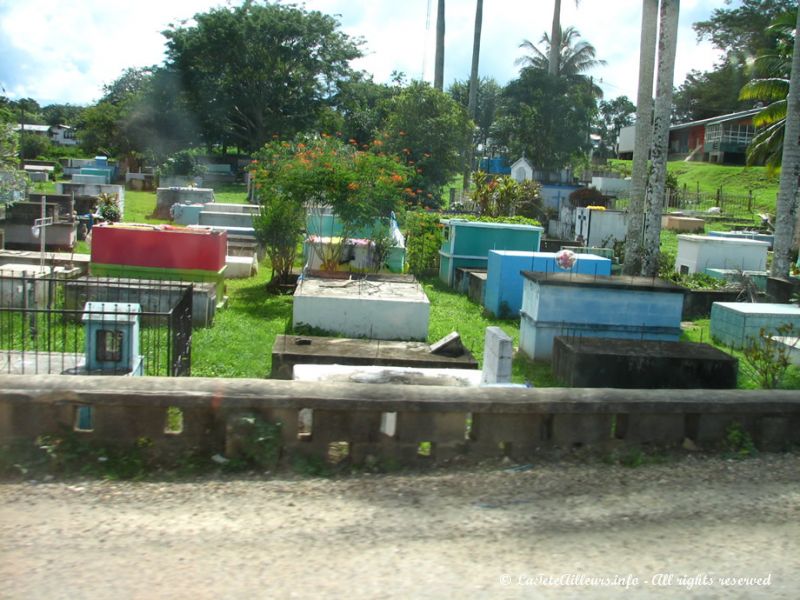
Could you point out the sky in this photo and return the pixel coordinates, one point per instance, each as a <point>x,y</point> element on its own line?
<point>64,51</point>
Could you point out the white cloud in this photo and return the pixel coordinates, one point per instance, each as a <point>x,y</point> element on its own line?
<point>65,52</point>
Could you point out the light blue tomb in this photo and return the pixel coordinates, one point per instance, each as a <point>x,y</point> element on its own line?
<point>504,282</point>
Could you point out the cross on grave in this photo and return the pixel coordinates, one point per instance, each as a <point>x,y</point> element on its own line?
<point>39,228</point>
<point>582,223</point>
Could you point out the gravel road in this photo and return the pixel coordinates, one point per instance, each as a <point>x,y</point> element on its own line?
<point>555,529</point>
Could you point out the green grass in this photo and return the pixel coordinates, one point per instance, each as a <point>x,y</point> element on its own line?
<point>733,180</point>
<point>240,342</point>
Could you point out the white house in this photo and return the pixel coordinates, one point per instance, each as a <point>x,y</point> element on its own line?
<point>61,135</point>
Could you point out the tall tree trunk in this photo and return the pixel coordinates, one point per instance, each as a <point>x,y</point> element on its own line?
<point>438,73</point>
<point>472,107</point>
<point>786,208</point>
<point>644,113</point>
<point>555,41</point>
<point>656,201</point>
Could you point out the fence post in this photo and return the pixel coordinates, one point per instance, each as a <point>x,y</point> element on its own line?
<point>750,201</point>
<point>718,199</point>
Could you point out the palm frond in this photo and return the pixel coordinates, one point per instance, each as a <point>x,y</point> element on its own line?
<point>770,114</point>
<point>767,146</point>
<point>768,89</point>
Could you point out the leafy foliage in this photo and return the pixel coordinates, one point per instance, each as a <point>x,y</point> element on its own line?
<point>359,187</point>
<point>256,71</point>
<point>501,196</point>
<point>423,241</point>
<point>613,116</point>
<point>183,162</point>
<point>428,129</point>
<point>575,57</point>
<point>767,358</point>
<point>545,118</point>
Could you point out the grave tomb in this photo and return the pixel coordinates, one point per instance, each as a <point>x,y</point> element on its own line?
<point>595,227</point>
<point>745,235</point>
<point>19,232</point>
<point>290,350</point>
<point>324,232</point>
<point>374,307</point>
<point>503,290</point>
<point>24,286</point>
<point>94,190</point>
<point>90,179</point>
<point>790,345</point>
<point>167,196</point>
<point>736,324</point>
<point>142,182</point>
<point>66,262</point>
<point>154,296</point>
<point>759,278</point>
<point>641,364</point>
<point>159,252</point>
<point>565,304</point>
<point>696,253</point>
<point>682,223</point>
<point>467,244</point>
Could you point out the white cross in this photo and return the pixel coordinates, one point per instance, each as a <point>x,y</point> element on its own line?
<point>39,228</point>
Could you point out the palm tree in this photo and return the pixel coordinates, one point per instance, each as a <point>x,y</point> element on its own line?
<point>438,73</point>
<point>767,145</point>
<point>786,207</point>
<point>472,107</point>
<point>553,66</point>
<point>644,111</point>
<point>555,35</point>
<point>574,59</point>
<point>667,44</point>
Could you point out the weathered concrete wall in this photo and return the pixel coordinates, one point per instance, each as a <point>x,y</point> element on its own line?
<point>516,421</point>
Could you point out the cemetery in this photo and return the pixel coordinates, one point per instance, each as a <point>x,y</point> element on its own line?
<point>388,323</point>
<point>578,323</point>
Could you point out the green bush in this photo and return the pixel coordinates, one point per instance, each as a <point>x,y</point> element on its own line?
<point>423,241</point>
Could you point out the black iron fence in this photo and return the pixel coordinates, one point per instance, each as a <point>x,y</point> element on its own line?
<point>734,205</point>
<point>44,322</point>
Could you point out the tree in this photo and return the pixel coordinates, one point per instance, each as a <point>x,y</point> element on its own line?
<point>743,32</point>
<point>786,208</point>
<point>428,129</point>
<point>574,58</point>
<point>360,188</point>
<point>61,114</point>
<point>487,97</point>
<point>13,182</point>
<point>553,66</point>
<point>359,109</point>
<point>143,112</point>
<point>472,106</point>
<point>710,93</point>
<point>545,118</point>
<point>438,73</point>
<point>613,116</point>
<point>767,145</point>
<point>667,46</point>
<point>644,111</point>
<point>256,71</point>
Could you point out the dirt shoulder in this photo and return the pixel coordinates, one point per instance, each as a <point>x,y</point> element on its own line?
<point>558,529</point>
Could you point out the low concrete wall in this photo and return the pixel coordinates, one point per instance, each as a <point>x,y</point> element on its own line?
<point>523,421</point>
